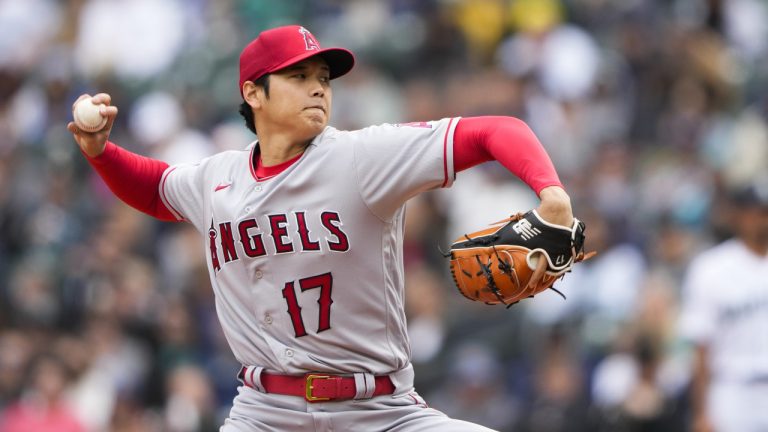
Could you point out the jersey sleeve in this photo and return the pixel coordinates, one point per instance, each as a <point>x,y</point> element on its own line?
<point>698,317</point>
<point>132,178</point>
<point>395,162</point>
<point>182,191</point>
<point>509,141</point>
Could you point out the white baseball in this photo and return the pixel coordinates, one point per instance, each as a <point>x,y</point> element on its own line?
<point>533,261</point>
<point>87,116</point>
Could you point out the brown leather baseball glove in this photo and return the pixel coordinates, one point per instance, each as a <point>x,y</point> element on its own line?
<point>500,264</point>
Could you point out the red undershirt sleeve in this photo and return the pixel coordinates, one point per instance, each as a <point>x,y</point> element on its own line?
<point>510,142</point>
<point>133,178</point>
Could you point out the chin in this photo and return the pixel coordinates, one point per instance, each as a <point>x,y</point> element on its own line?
<point>316,124</point>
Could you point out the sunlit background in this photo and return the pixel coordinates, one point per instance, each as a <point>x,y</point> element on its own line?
<point>650,109</point>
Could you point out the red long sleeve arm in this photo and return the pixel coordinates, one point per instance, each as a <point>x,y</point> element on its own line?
<point>133,178</point>
<point>510,142</point>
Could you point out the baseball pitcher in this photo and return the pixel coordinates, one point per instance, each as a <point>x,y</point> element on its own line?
<point>303,236</point>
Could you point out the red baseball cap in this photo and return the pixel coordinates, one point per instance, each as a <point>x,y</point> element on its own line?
<point>281,47</point>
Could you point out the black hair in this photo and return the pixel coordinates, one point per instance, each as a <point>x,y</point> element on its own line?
<point>246,111</point>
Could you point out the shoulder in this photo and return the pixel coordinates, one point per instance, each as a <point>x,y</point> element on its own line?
<point>722,255</point>
<point>382,130</point>
<point>222,160</point>
<point>331,133</point>
<point>229,155</point>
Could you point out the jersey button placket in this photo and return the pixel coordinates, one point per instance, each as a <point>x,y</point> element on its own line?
<point>289,353</point>
<point>259,274</point>
<point>268,318</point>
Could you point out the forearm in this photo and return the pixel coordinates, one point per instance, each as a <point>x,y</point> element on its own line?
<point>700,382</point>
<point>133,178</point>
<point>510,142</point>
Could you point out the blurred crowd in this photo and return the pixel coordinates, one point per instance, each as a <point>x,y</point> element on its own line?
<point>650,109</point>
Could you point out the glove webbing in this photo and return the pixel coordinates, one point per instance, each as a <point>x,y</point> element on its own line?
<point>505,268</point>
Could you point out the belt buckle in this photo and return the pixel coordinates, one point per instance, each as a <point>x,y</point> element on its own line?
<point>308,387</point>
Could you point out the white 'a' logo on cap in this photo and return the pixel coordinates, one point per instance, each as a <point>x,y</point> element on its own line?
<point>309,41</point>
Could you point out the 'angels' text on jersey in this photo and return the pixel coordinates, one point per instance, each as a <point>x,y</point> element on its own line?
<point>275,234</point>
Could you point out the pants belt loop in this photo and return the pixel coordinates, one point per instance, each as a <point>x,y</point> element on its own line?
<point>252,377</point>
<point>365,385</point>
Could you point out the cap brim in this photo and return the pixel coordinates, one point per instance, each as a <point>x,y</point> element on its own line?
<point>750,196</point>
<point>340,61</point>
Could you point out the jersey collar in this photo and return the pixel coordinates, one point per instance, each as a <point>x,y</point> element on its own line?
<point>253,156</point>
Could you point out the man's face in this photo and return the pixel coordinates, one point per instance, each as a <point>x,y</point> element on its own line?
<point>299,100</point>
<point>753,224</point>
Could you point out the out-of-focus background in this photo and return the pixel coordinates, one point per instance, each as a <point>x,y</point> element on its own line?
<point>650,110</point>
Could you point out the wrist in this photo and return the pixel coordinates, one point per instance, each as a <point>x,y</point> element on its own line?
<point>555,206</point>
<point>555,197</point>
<point>94,153</point>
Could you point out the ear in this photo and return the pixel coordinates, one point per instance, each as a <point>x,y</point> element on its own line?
<point>253,94</point>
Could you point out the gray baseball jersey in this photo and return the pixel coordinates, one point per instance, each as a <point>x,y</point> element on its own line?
<point>307,266</point>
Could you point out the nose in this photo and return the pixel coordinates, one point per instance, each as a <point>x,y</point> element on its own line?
<point>318,90</point>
